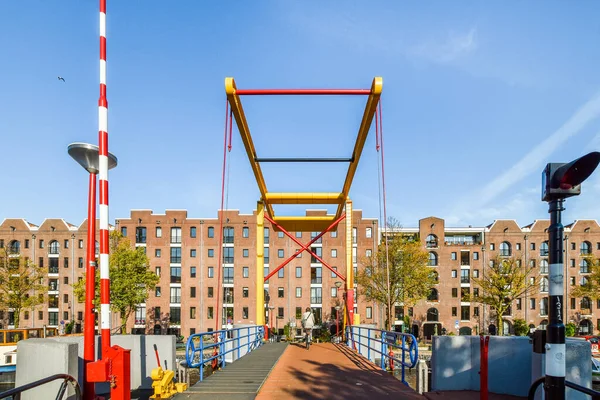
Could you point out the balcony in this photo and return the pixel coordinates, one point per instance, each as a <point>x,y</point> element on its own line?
<point>465,279</point>
<point>316,300</point>
<point>318,280</point>
<point>228,279</point>
<point>504,253</point>
<point>53,270</point>
<point>176,299</point>
<point>140,321</point>
<point>431,243</point>
<point>175,279</point>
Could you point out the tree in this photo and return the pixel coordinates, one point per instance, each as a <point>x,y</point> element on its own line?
<point>410,279</point>
<point>130,278</point>
<point>591,285</point>
<point>22,284</point>
<point>502,282</point>
<point>520,327</point>
<point>570,329</point>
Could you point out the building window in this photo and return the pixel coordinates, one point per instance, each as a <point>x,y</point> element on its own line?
<point>228,255</point>
<point>266,255</point>
<point>245,292</point>
<point>157,253</point>
<point>333,234</point>
<point>54,247</point>
<point>80,244</point>
<point>176,235</point>
<point>333,275</point>
<point>175,274</point>
<point>298,292</point>
<point>492,246</point>
<point>80,262</point>
<point>157,270</point>
<point>245,232</point>
<point>454,273</point>
<point>41,243</point>
<point>584,267</point>
<point>66,262</point>
<point>369,312</point>
<point>228,235</point>
<point>475,255</point>
<point>26,244</point>
<point>158,232</point>
<point>453,256</point>
<point>280,234</point>
<point>210,313</point>
<point>543,266</point>
<point>210,232</point>
<point>211,272</point>
<point>140,234</point>
<point>210,292</point>
<point>505,250</point>
<point>66,244</point>
<point>519,304</point>
<point>433,259</point>
<point>544,249</point>
<point>227,275</point>
<point>464,276</point>
<point>334,291</point>
<point>532,246</point>
<point>465,313</point>
<point>475,273</point>
<point>518,246</point>
<point>175,255</point>
<point>193,291</point>
<point>192,312</point>
<point>280,292</point>
<point>192,231</point>
<point>532,304</point>
<point>298,272</point>
<point>175,295</point>
<point>454,311</point>
<point>280,253</point>
<point>266,235</point>
<point>280,273</point>
<point>476,311</point>
<point>245,313</point>
<point>454,292</point>
<point>280,312</point>
<point>192,272</point>
<point>192,253</point>
<point>245,272</point>
<point>245,253</point>
<point>333,253</point>
<point>157,292</point>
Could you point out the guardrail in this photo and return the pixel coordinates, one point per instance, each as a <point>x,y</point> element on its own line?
<point>385,343</point>
<point>243,339</point>
<point>15,393</point>
<point>531,395</point>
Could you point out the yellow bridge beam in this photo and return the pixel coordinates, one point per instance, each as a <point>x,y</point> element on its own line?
<point>305,198</point>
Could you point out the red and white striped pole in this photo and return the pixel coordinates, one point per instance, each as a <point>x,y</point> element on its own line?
<point>103,188</point>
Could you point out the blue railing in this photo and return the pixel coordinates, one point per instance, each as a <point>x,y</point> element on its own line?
<point>237,341</point>
<point>369,340</point>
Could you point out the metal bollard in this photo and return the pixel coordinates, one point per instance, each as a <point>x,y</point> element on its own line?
<point>422,376</point>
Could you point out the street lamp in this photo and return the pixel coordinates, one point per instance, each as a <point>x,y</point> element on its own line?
<point>337,320</point>
<point>267,299</point>
<point>559,181</point>
<point>87,155</point>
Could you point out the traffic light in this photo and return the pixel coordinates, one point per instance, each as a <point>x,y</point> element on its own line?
<point>562,180</point>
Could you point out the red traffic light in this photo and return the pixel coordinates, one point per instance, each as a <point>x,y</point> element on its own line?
<point>562,180</point>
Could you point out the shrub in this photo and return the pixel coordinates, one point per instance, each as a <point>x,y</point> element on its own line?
<point>520,327</point>
<point>570,329</point>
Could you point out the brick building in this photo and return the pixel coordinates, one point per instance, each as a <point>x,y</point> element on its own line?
<point>184,252</point>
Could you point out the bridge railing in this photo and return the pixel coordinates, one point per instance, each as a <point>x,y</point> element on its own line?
<point>15,393</point>
<point>237,342</point>
<point>394,348</point>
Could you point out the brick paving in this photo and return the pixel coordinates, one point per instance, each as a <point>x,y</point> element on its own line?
<point>329,371</point>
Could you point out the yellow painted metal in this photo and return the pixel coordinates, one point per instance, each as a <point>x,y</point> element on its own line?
<point>305,198</point>
<point>260,263</point>
<point>361,138</point>
<point>304,224</point>
<point>240,119</point>
<point>349,266</point>
<point>164,385</point>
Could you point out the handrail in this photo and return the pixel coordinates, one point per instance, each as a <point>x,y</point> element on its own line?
<point>61,391</point>
<point>195,346</point>
<point>531,395</point>
<point>387,341</point>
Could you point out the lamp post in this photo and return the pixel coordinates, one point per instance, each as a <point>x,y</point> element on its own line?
<point>337,320</point>
<point>267,299</point>
<point>87,156</point>
<point>560,181</point>
<point>271,308</point>
<point>338,285</point>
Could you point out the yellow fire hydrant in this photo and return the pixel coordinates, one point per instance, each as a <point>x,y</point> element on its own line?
<point>163,384</point>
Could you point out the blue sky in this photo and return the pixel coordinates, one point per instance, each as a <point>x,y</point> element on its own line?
<point>477,98</point>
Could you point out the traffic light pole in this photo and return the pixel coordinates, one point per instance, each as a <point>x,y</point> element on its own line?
<point>555,346</point>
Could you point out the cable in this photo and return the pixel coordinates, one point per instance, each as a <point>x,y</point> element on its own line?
<point>220,259</point>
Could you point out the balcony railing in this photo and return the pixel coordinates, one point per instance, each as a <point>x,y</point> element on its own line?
<point>316,300</point>
<point>504,253</point>
<point>175,279</point>
<point>228,260</point>
<point>432,243</point>
<point>316,280</point>
<point>227,239</point>
<point>584,269</point>
<point>53,270</point>
<point>227,279</point>
<point>586,311</point>
<point>585,252</point>
<point>140,321</point>
<point>465,279</point>
<point>176,299</point>
<point>175,259</point>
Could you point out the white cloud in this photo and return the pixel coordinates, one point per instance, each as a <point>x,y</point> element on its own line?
<point>449,49</point>
<point>532,162</point>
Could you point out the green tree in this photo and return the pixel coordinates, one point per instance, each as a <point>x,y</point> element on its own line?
<point>591,287</point>
<point>130,278</point>
<point>502,282</point>
<point>570,329</point>
<point>23,284</point>
<point>410,279</point>
<point>521,327</point>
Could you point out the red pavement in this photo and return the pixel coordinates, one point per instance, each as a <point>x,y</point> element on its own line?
<point>329,371</point>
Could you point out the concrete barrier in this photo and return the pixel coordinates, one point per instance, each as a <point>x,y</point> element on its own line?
<point>40,358</point>
<point>455,364</point>
<point>143,358</point>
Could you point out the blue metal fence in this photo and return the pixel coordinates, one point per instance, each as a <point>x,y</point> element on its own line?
<point>370,341</point>
<point>237,341</point>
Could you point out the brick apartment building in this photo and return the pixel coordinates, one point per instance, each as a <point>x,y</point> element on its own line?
<point>184,252</point>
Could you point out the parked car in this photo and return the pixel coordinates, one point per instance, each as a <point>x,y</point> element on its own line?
<point>594,341</point>
<point>595,370</point>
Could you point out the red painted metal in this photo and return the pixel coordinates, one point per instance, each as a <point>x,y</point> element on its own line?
<point>157,357</point>
<point>483,374</point>
<point>295,92</point>
<point>304,247</point>
<point>97,371</point>
<point>89,318</point>
<point>350,306</point>
<point>119,373</point>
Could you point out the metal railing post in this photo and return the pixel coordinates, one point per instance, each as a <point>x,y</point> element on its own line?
<point>369,344</point>
<point>383,350</point>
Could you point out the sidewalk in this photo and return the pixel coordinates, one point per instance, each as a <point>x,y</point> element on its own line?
<point>329,371</point>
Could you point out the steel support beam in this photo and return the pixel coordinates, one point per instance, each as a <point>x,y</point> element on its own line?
<point>260,263</point>
<point>306,198</point>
